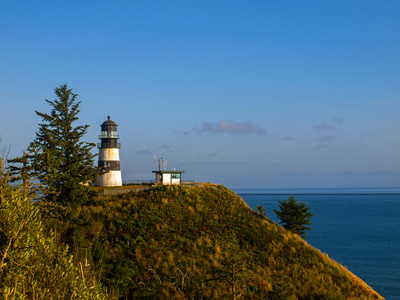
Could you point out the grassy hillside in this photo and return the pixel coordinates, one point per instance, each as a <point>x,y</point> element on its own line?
<point>199,242</point>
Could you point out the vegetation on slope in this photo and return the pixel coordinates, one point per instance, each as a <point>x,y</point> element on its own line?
<point>32,264</point>
<point>199,242</point>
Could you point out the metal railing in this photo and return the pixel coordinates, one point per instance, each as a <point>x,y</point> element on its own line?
<point>138,182</point>
<point>151,182</point>
<point>108,135</point>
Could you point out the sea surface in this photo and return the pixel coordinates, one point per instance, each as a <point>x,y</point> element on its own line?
<point>358,228</point>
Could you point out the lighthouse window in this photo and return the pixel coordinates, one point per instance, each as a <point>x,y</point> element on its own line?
<point>109,134</point>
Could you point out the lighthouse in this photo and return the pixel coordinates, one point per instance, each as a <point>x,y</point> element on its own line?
<point>109,155</point>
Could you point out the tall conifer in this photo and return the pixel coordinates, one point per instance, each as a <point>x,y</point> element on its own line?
<point>60,160</point>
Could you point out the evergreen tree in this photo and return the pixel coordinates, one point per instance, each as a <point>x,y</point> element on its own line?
<point>262,210</point>
<point>232,271</point>
<point>295,216</point>
<point>59,159</point>
<point>21,171</point>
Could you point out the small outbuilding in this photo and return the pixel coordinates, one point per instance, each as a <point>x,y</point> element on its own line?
<point>168,177</point>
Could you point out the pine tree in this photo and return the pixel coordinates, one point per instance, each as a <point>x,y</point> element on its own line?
<point>233,271</point>
<point>59,159</point>
<point>262,210</point>
<point>21,171</point>
<point>295,216</point>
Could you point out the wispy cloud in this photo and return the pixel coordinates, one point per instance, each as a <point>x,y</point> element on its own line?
<point>186,133</point>
<point>326,138</point>
<point>325,132</point>
<point>320,146</point>
<point>143,152</point>
<point>337,120</point>
<point>164,147</point>
<point>225,126</point>
<point>329,126</point>
<point>288,138</point>
<point>324,127</point>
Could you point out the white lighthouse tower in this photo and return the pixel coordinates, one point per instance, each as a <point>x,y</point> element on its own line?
<point>109,155</point>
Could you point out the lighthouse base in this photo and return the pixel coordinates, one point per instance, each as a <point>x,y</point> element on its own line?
<point>112,178</point>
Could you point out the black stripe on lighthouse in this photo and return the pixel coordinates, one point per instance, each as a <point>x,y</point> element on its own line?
<point>112,165</point>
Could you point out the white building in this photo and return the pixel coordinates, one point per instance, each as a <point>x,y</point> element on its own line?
<point>168,177</point>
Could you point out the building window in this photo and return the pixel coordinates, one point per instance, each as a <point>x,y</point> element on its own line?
<point>176,176</point>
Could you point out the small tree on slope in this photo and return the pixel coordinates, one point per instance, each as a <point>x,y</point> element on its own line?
<point>294,216</point>
<point>21,171</point>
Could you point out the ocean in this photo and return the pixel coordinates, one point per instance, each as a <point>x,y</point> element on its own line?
<point>358,228</point>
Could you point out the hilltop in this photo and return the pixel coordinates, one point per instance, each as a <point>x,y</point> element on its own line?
<point>198,242</point>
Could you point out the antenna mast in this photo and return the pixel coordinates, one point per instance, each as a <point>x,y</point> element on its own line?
<point>161,162</point>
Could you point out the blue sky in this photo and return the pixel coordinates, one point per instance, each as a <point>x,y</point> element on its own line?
<point>244,93</point>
